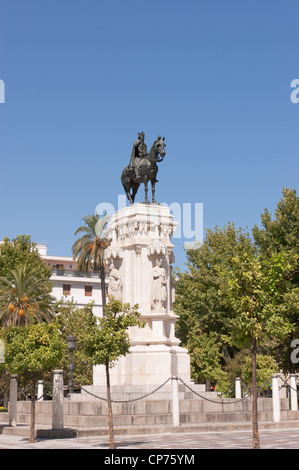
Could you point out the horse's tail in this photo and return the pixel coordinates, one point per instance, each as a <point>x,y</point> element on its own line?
<point>125,179</point>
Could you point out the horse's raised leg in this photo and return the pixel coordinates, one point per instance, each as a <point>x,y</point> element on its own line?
<point>153,191</point>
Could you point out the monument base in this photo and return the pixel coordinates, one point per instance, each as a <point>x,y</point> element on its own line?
<point>147,365</point>
<point>140,258</point>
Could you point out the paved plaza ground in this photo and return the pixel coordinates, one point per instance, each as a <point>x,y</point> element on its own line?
<point>270,439</point>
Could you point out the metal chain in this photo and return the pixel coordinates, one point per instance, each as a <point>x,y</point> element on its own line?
<point>210,399</point>
<point>23,392</point>
<point>285,383</point>
<point>45,392</point>
<point>124,401</point>
<point>164,383</point>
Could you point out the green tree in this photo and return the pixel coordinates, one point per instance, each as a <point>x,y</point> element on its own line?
<point>107,339</point>
<point>20,251</point>
<point>89,251</point>
<point>24,296</point>
<point>265,367</point>
<point>281,235</point>
<point>74,320</point>
<point>198,304</point>
<point>232,370</point>
<point>31,351</point>
<point>206,357</point>
<point>256,292</point>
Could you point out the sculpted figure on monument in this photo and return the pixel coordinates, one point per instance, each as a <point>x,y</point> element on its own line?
<point>139,151</point>
<point>159,286</point>
<point>115,284</point>
<point>143,167</point>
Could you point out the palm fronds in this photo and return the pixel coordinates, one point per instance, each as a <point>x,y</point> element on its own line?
<point>89,249</point>
<point>25,296</point>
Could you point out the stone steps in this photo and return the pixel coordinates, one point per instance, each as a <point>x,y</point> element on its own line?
<point>84,418</point>
<point>158,420</point>
<point>44,432</point>
<point>151,413</point>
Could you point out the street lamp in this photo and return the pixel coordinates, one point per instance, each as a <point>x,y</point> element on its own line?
<point>71,346</point>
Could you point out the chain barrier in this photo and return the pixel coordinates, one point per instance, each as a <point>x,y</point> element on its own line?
<point>24,392</point>
<point>210,399</point>
<point>124,401</point>
<point>286,384</point>
<point>260,388</point>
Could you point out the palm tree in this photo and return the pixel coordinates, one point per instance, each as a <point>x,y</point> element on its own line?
<point>89,251</point>
<point>25,297</point>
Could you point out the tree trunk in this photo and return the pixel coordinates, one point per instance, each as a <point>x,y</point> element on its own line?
<point>256,438</point>
<point>110,416</point>
<point>103,287</point>
<point>208,385</point>
<point>32,412</point>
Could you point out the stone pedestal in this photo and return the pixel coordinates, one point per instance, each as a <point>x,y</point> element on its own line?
<point>140,258</point>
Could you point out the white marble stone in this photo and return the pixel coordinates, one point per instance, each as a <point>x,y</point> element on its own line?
<point>141,254</point>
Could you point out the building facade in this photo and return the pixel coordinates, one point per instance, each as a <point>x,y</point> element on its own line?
<point>71,284</point>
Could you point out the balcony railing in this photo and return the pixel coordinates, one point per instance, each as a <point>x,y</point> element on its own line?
<point>74,273</point>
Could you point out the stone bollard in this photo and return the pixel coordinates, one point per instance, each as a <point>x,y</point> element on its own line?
<point>57,402</point>
<point>175,402</point>
<point>13,399</point>
<point>275,399</point>
<point>294,396</point>
<point>40,390</point>
<point>238,393</point>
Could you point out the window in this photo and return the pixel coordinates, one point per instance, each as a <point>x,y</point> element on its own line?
<point>66,289</point>
<point>88,291</point>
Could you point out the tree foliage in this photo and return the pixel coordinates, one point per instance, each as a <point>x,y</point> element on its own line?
<point>25,286</point>
<point>198,304</point>
<point>76,321</point>
<point>107,338</point>
<point>243,292</point>
<point>19,251</point>
<point>268,263</point>
<point>25,296</point>
<point>89,249</point>
<point>31,351</point>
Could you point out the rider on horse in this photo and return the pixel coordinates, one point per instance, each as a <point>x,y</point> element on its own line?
<point>139,151</point>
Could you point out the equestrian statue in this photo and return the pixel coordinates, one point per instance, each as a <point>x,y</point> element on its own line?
<point>143,167</point>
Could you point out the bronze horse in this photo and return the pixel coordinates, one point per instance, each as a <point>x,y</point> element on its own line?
<point>148,170</point>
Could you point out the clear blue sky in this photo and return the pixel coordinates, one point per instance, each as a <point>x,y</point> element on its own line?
<point>83,77</point>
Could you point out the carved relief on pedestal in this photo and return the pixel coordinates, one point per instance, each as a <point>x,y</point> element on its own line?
<point>114,252</point>
<point>159,283</point>
<point>173,284</point>
<point>157,247</point>
<point>115,288</point>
